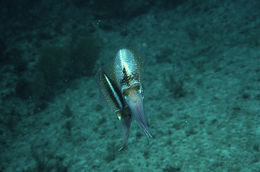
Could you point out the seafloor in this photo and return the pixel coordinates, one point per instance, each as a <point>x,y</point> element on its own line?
<point>201,78</point>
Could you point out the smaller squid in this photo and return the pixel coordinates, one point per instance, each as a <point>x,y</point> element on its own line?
<point>124,91</point>
<point>113,97</point>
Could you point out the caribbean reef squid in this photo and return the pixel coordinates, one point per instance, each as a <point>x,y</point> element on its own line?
<point>123,91</point>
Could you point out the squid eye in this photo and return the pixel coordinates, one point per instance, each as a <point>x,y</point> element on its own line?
<point>125,94</point>
<point>126,97</point>
<point>119,115</point>
<point>140,90</point>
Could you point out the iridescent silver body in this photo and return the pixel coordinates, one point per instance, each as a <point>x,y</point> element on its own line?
<point>127,70</point>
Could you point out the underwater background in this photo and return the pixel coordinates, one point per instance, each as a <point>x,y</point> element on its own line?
<point>200,73</point>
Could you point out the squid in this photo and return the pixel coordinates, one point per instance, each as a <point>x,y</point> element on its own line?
<point>123,91</point>
<point>111,93</point>
<point>127,70</point>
